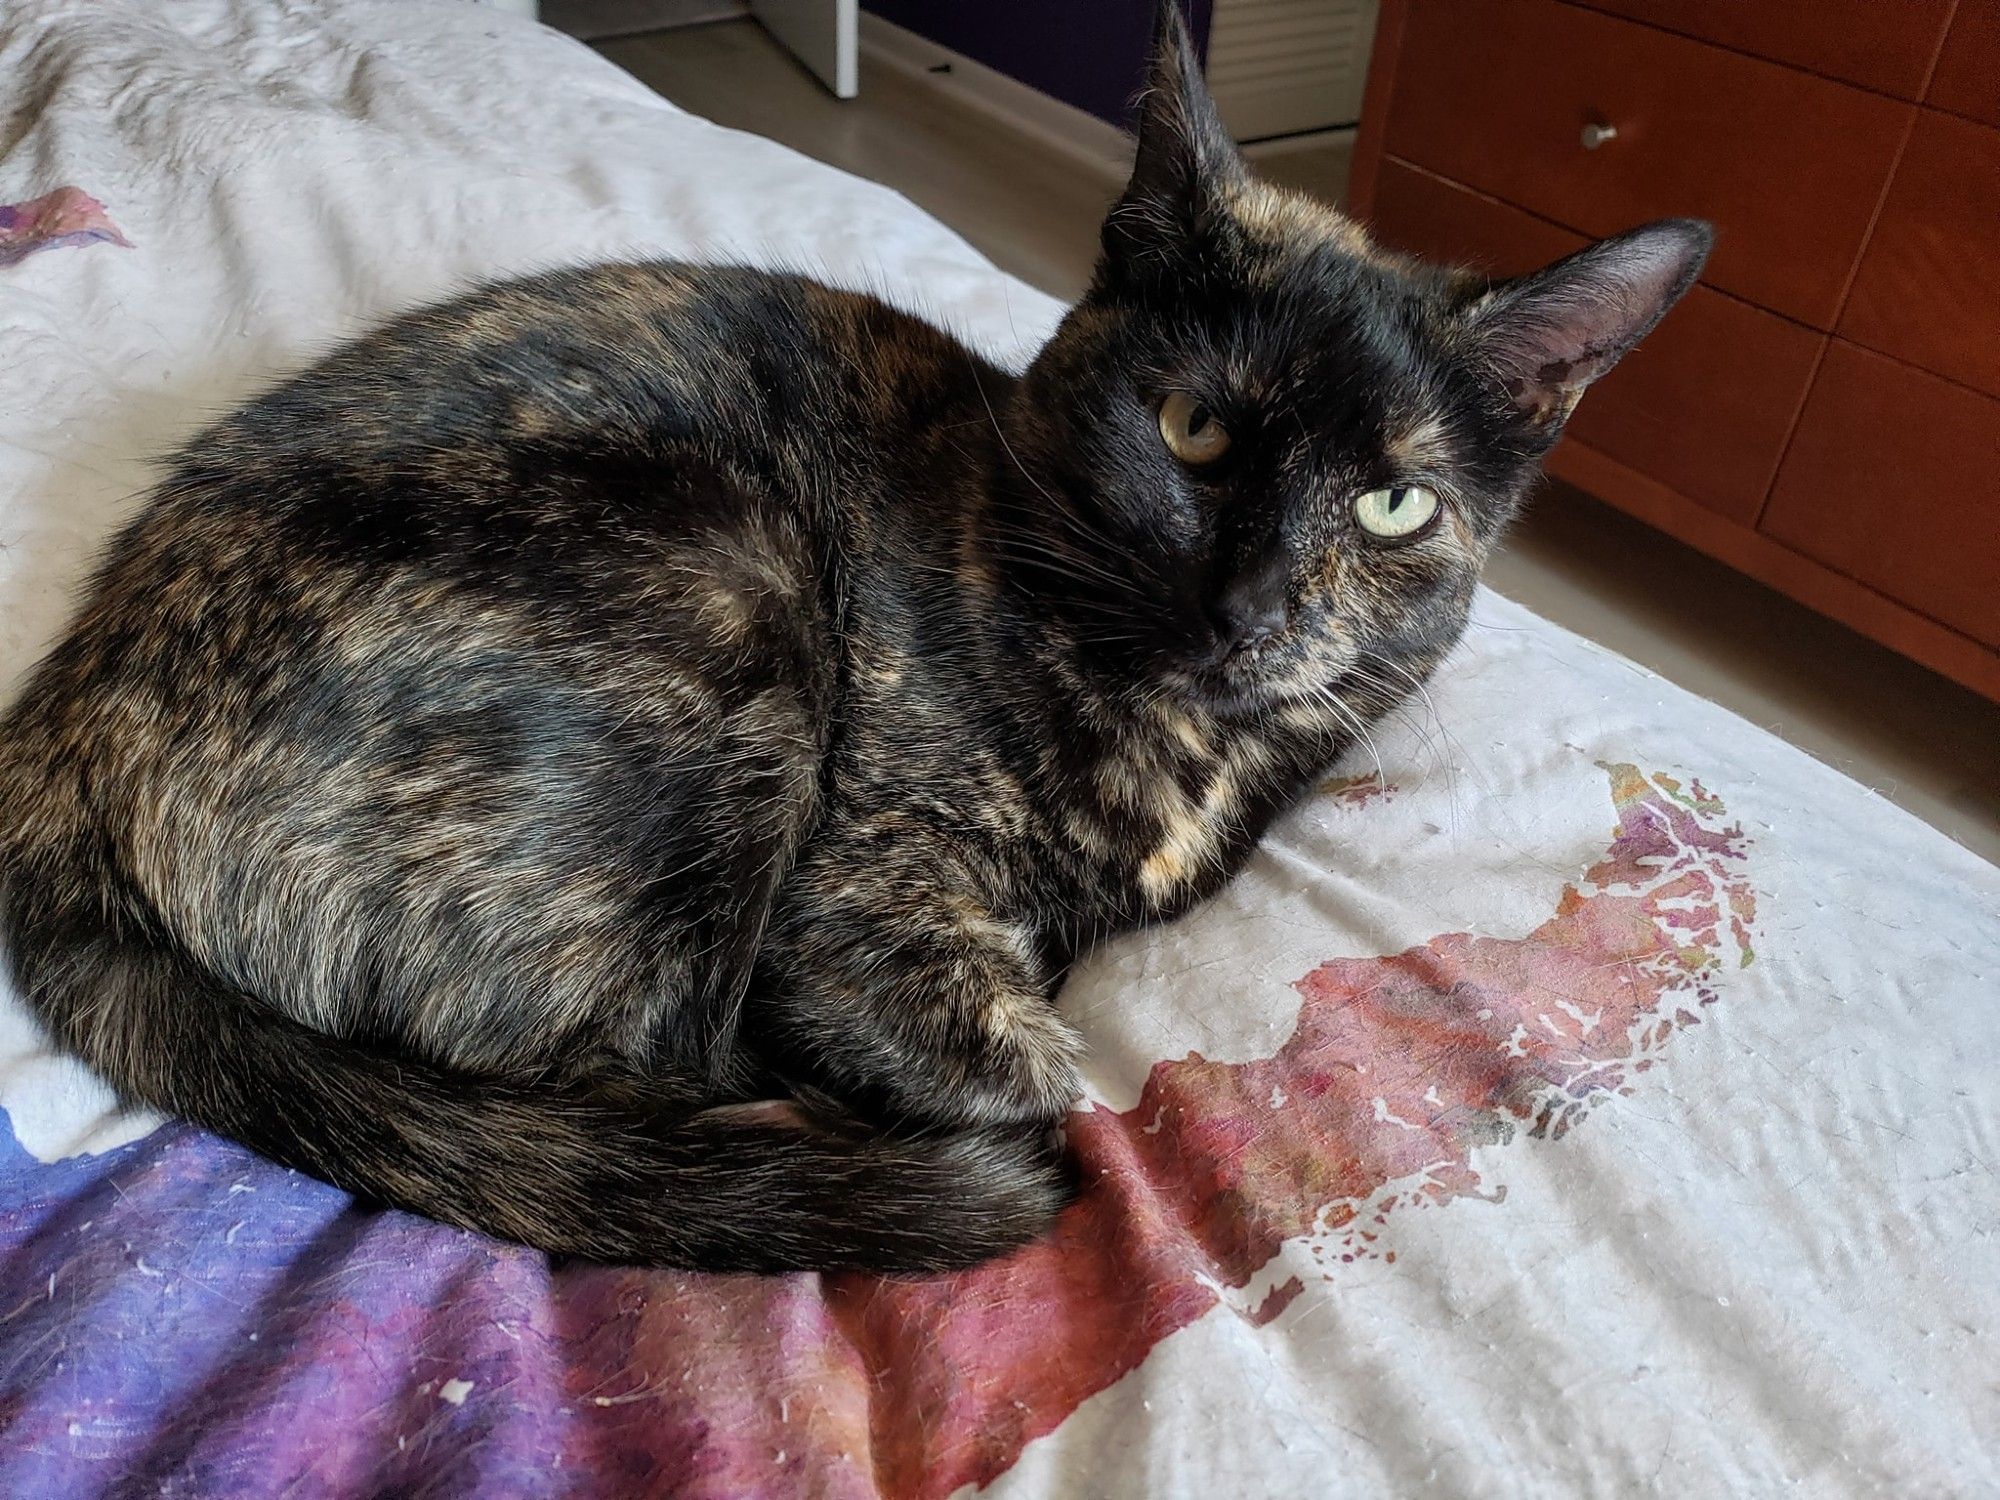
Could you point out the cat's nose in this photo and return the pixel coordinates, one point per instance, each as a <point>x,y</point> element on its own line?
<point>1252,606</point>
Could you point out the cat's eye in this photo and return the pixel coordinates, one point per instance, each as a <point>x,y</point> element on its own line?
<point>1399,511</point>
<point>1191,431</point>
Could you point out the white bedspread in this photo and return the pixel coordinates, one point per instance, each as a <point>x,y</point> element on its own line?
<point>1586,1092</point>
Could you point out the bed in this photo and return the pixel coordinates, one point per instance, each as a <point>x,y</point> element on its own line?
<point>1583,1092</point>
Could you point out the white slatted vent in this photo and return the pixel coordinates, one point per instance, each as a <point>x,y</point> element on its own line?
<point>1280,67</point>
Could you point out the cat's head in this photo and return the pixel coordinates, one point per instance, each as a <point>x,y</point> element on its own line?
<point>1261,454</point>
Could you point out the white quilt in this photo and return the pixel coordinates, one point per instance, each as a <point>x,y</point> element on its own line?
<point>1585,1093</point>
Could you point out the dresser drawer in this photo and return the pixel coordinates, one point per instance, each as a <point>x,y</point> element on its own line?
<point>1703,405</point>
<point>1886,45</point>
<point>1929,286</point>
<point>1894,480</point>
<point>1967,80</point>
<point>1497,94</point>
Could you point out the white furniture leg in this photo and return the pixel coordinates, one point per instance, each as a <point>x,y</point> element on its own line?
<point>819,33</point>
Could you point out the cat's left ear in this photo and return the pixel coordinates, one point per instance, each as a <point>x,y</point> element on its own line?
<point>1185,163</point>
<point>1548,335</point>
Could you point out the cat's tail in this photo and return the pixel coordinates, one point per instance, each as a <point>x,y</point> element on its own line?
<point>563,1171</point>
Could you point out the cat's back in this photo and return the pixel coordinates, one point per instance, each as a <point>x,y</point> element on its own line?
<point>637,359</point>
<point>552,509</point>
<point>547,435</point>
<point>513,598</point>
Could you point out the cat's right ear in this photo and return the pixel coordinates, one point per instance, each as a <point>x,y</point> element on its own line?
<point>1546,336</point>
<point>1185,165</point>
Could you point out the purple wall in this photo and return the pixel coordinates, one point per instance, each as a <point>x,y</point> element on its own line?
<point>1090,53</point>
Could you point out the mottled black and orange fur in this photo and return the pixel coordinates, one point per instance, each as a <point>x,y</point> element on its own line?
<point>623,760</point>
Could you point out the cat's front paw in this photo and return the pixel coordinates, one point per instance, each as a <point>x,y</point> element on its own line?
<point>1024,1074</point>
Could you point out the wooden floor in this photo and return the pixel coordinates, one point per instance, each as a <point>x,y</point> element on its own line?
<point>1920,741</point>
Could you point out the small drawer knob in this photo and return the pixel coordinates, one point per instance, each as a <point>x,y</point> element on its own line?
<point>1596,133</point>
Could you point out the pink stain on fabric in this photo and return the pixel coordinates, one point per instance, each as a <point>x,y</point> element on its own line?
<point>68,216</point>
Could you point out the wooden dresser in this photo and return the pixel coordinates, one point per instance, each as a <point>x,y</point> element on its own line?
<point>1823,411</point>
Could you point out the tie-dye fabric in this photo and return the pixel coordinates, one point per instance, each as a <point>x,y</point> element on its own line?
<point>68,216</point>
<point>1583,1092</point>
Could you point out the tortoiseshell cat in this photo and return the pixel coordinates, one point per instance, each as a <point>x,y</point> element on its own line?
<point>504,762</point>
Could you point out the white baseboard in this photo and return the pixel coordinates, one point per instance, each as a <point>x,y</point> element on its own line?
<point>1077,134</point>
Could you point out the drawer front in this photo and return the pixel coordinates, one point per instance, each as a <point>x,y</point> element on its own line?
<point>1497,94</point>
<point>1894,480</point>
<point>1929,286</point>
<point>1967,81</point>
<point>1702,406</point>
<point>1884,45</point>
